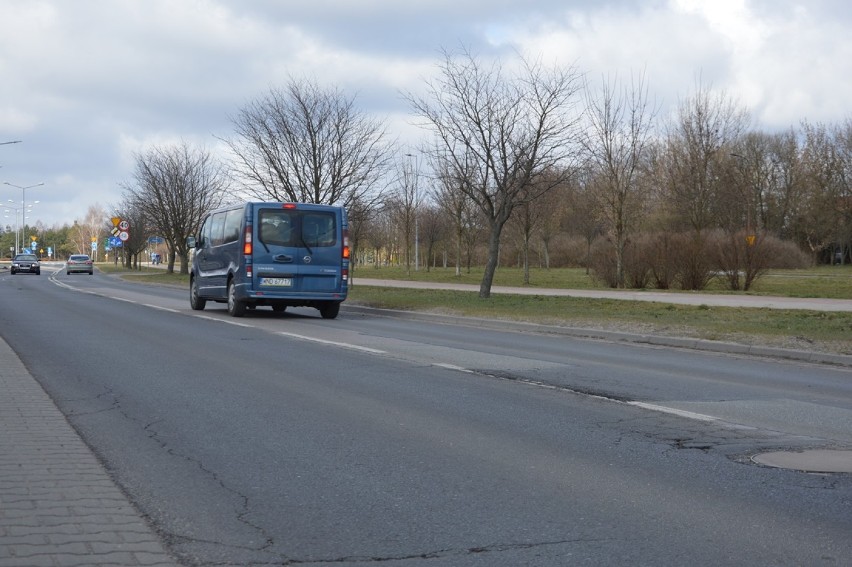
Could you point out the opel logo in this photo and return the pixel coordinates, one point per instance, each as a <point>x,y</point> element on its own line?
<point>306,259</point>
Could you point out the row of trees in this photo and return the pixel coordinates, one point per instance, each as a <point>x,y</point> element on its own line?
<point>674,201</point>
<point>56,242</point>
<point>522,161</point>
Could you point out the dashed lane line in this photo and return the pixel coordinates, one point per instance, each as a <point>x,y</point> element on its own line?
<point>333,343</point>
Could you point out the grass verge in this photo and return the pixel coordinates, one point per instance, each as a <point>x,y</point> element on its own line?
<point>805,330</point>
<point>832,282</point>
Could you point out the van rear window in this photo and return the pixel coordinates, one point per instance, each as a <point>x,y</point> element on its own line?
<point>297,228</point>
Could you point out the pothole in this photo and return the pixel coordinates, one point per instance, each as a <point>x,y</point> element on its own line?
<point>811,460</point>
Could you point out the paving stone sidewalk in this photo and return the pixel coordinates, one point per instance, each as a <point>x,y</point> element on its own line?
<point>58,506</point>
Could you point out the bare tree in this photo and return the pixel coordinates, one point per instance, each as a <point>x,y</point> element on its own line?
<point>176,186</point>
<point>535,218</point>
<point>843,203</point>
<point>620,128</point>
<point>820,215</point>
<point>695,168</point>
<point>785,183</point>
<point>500,134</point>
<point>583,215</point>
<point>360,214</point>
<point>707,129</point>
<point>140,230</point>
<point>433,229</point>
<point>552,209</point>
<point>304,143</point>
<point>403,206</point>
<point>456,204</point>
<point>88,230</point>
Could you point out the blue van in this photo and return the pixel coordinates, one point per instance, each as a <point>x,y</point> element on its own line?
<point>274,254</point>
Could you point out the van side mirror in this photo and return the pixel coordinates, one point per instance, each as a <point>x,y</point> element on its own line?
<point>190,242</point>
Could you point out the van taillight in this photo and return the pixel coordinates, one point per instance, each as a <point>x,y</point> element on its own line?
<point>346,244</point>
<point>247,241</point>
<point>344,273</point>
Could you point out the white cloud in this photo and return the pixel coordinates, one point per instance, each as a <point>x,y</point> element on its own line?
<point>87,83</point>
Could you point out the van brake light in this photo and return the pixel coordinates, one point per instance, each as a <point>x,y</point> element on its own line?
<point>346,251</point>
<point>247,245</point>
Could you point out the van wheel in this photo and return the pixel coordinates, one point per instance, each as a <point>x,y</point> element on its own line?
<point>236,308</point>
<point>330,310</point>
<point>278,308</point>
<point>195,301</point>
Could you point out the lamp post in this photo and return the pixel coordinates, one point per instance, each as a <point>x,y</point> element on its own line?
<point>23,200</point>
<point>16,231</point>
<point>12,142</point>
<point>16,209</point>
<point>416,216</point>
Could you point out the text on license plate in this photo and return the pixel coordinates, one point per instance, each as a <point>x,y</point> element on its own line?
<point>280,282</point>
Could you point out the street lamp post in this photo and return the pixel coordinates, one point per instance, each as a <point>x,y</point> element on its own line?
<point>23,201</point>
<point>12,142</point>
<point>17,225</point>
<point>416,215</point>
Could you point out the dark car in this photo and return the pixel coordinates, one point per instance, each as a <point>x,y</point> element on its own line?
<point>79,263</point>
<point>27,263</point>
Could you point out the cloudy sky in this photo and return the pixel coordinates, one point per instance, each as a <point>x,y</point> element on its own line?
<point>88,84</point>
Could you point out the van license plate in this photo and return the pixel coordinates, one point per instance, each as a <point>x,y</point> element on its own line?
<point>279,282</point>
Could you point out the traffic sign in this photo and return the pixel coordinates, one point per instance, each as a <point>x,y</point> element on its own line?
<point>156,240</point>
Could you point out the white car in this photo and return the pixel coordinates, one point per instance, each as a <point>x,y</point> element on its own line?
<point>79,263</point>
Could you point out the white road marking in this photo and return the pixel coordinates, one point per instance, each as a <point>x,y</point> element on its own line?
<point>169,309</point>
<point>453,367</point>
<point>334,343</point>
<point>673,411</point>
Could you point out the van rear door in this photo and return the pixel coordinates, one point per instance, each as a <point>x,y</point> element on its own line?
<point>298,250</point>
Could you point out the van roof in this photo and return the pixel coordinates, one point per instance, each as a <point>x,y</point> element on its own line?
<point>280,204</point>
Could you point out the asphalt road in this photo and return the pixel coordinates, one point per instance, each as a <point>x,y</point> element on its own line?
<point>288,439</point>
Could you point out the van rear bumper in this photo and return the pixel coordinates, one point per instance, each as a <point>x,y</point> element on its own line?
<point>294,298</point>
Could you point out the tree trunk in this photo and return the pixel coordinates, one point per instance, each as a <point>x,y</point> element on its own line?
<point>458,253</point>
<point>491,262</point>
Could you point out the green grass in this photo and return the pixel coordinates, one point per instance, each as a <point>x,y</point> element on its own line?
<point>833,282</point>
<point>146,274</point>
<point>831,332</point>
<point>562,278</point>
<point>807,330</point>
